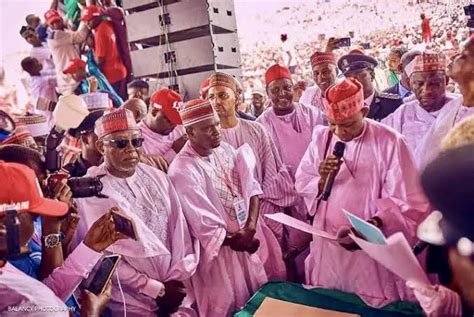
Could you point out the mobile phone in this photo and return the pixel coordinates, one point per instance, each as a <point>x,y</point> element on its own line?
<point>365,46</point>
<point>55,178</point>
<point>344,42</point>
<point>125,225</point>
<point>103,274</point>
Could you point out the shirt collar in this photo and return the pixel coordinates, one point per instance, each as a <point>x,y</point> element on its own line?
<point>402,91</point>
<point>368,100</point>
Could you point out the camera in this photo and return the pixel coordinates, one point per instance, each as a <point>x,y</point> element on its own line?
<point>82,187</point>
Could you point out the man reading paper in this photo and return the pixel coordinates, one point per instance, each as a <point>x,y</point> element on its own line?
<point>376,180</point>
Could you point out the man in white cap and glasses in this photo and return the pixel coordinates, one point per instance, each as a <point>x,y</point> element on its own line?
<point>162,257</point>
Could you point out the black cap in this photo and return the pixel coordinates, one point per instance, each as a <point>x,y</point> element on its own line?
<point>448,182</point>
<point>355,62</point>
<point>138,83</point>
<point>87,125</point>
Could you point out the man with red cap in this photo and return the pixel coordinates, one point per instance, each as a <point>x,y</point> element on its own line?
<point>21,201</point>
<point>162,128</point>
<point>324,69</point>
<point>461,70</point>
<point>427,73</point>
<point>155,265</point>
<point>62,43</point>
<point>376,180</point>
<point>220,198</point>
<point>106,52</point>
<point>290,125</point>
<point>272,175</point>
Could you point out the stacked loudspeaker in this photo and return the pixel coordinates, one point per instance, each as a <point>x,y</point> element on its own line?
<point>182,42</point>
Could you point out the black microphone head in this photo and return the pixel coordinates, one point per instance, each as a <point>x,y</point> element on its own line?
<point>339,149</point>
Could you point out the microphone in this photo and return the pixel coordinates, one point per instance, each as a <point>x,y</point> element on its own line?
<point>337,152</point>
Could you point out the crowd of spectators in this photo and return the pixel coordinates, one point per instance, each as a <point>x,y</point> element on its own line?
<point>376,26</point>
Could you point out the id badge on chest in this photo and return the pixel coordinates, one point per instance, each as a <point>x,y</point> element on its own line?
<point>240,211</point>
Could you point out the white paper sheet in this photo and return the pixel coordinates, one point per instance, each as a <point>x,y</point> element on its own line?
<point>300,225</point>
<point>396,256</point>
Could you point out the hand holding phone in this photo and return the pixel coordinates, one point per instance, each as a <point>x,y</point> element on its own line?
<point>102,233</point>
<point>124,224</point>
<point>103,274</point>
<point>343,42</point>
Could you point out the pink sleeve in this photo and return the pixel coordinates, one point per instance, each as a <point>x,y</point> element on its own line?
<point>66,278</point>
<point>138,281</point>
<point>437,300</point>
<point>169,155</point>
<point>307,176</point>
<point>204,219</point>
<point>403,204</point>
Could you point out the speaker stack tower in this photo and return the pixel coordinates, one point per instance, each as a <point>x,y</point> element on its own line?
<point>179,43</point>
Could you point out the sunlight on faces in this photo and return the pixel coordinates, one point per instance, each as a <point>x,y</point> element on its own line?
<point>324,75</point>
<point>348,129</point>
<point>280,92</point>
<point>120,161</point>
<point>429,88</point>
<point>205,134</point>
<point>223,100</point>
<point>26,231</point>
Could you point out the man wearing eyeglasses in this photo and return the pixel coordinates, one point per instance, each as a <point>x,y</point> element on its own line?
<point>272,175</point>
<point>153,266</point>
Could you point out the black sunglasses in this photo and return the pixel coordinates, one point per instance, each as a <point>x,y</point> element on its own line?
<point>123,143</point>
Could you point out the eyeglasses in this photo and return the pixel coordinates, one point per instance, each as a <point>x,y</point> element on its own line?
<point>123,143</point>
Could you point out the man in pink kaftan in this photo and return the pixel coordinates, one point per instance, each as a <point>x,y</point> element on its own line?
<point>272,175</point>
<point>427,73</point>
<point>376,180</point>
<point>154,267</point>
<point>162,128</point>
<point>290,126</point>
<point>461,70</point>
<point>219,196</point>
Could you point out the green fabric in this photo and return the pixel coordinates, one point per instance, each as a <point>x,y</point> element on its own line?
<point>392,78</point>
<point>325,299</point>
<point>72,11</point>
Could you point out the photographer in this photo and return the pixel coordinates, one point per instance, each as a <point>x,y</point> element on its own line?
<point>20,191</point>
<point>89,156</point>
<point>46,228</point>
